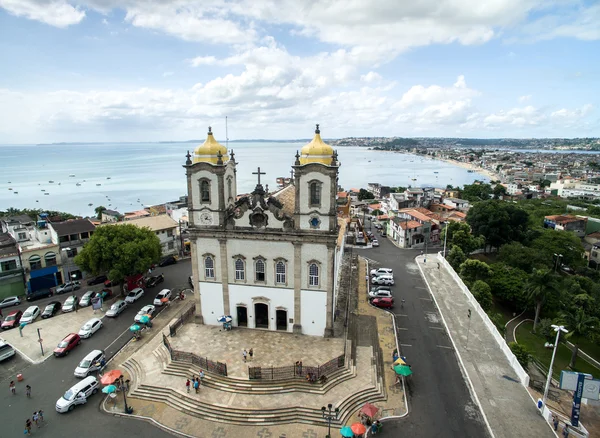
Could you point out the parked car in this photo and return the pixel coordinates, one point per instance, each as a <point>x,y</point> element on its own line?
<point>383,234</point>
<point>375,242</point>
<point>134,295</point>
<point>162,297</point>
<point>12,319</point>
<point>116,309</point>
<point>146,310</point>
<point>6,351</point>
<point>89,364</point>
<point>90,327</point>
<point>380,294</point>
<point>51,309</point>
<point>77,395</point>
<point>169,260</point>
<point>40,293</point>
<point>9,302</point>
<point>30,315</point>
<point>110,283</point>
<point>86,298</point>
<point>154,280</point>
<point>376,288</point>
<point>69,304</point>
<point>98,279</point>
<point>382,271</point>
<point>63,348</point>
<point>69,286</point>
<point>383,279</point>
<point>385,303</point>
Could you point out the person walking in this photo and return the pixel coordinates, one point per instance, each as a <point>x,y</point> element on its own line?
<point>12,387</point>
<point>566,431</point>
<point>187,385</point>
<point>201,375</point>
<point>244,354</point>
<point>41,416</point>
<point>196,385</point>
<point>555,422</point>
<point>28,391</point>
<point>36,419</point>
<point>251,353</point>
<point>28,426</point>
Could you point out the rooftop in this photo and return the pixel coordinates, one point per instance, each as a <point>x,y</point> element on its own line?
<point>565,218</point>
<point>155,223</point>
<point>287,196</point>
<point>21,218</point>
<point>73,226</point>
<point>8,245</point>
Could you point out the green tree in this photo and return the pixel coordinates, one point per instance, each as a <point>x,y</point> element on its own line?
<point>499,190</point>
<point>566,243</point>
<point>365,194</point>
<point>519,256</point>
<point>540,284</point>
<point>476,192</point>
<point>99,210</point>
<point>521,353</point>
<point>507,285</point>
<point>498,222</point>
<point>579,325</point>
<point>459,234</point>
<point>456,257</point>
<point>472,270</point>
<point>120,251</point>
<point>483,294</point>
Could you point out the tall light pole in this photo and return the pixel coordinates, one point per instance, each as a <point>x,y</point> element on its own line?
<point>329,415</point>
<point>556,262</point>
<point>127,408</point>
<point>557,329</point>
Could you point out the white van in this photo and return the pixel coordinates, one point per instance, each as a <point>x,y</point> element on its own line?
<point>77,395</point>
<point>89,364</point>
<point>6,351</point>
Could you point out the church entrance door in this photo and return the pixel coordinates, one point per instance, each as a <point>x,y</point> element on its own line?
<point>242,316</point>
<point>281,319</point>
<point>261,315</point>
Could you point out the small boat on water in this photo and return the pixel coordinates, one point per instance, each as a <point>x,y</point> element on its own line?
<point>470,171</point>
<point>46,193</point>
<point>71,176</point>
<point>89,205</point>
<point>43,190</point>
<point>78,184</point>
<point>51,182</point>
<point>98,184</point>
<point>108,177</point>
<point>16,193</point>
<point>436,171</point>
<point>10,188</point>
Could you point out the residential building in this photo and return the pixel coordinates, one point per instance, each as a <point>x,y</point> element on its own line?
<point>378,190</point>
<point>111,216</point>
<point>459,204</point>
<point>131,215</point>
<point>343,204</point>
<point>71,236</point>
<point>12,275</point>
<point>567,222</point>
<point>165,228</point>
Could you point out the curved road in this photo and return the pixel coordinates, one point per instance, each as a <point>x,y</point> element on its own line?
<point>440,404</point>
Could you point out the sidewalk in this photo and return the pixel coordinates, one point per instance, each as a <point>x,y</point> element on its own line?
<point>506,404</point>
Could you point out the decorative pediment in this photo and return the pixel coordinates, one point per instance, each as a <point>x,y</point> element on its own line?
<point>259,206</point>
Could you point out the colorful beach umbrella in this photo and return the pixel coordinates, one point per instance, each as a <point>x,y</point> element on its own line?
<point>358,428</point>
<point>144,319</point>
<point>403,370</point>
<point>109,389</point>
<point>400,361</point>
<point>135,328</point>
<point>347,432</point>
<point>225,318</point>
<point>109,377</point>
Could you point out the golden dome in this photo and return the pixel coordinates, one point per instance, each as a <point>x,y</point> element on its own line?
<point>317,151</point>
<point>208,151</point>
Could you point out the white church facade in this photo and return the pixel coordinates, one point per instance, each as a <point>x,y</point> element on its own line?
<point>270,260</point>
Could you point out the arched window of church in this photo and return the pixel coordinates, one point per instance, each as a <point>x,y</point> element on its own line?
<point>209,267</point>
<point>280,273</point>
<point>239,269</point>
<point>315,194</point>
<point>313,274</point>
<point>204,191</point>
<point>259,269</point>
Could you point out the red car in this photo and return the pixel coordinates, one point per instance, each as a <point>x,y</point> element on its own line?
<point>385,303</point>
<point>12,319</point>
<point>67,344</point>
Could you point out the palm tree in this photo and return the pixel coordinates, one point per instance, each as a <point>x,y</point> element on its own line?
<point>98,210</point>
<point>579,324</point>
<point>539,286</point>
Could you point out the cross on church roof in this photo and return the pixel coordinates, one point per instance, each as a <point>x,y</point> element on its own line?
<point>259,173</point>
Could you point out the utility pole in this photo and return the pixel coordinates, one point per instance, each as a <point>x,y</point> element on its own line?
<point>40,340</point>
<point>557,329</point>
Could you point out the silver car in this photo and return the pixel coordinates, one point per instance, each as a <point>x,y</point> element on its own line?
<point>116,308</point>
<point>9,302</point>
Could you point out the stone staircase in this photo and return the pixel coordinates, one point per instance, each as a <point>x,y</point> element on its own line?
<point>228,413</point>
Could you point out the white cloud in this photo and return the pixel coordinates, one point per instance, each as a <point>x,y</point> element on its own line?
<point>105,21</point>
<point>167,74</point>
<point>56,13</point>
<point>371,77</point>
<point>435,94</point>
<point>202,60</point>
<point>520,117</point>
<point>525,98</point>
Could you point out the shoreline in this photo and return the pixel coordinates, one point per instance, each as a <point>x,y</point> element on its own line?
<point>493,176</point>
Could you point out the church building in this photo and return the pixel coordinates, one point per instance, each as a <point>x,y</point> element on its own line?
<point>270,260</point>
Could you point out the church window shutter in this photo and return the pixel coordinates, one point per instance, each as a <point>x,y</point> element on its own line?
<point>239,269</point>
<point>280,273</point>
<point>315,194</point>
<point>259,269</point>
<point>204,191</point>
<point>313,274</point>
<point>209,267</point>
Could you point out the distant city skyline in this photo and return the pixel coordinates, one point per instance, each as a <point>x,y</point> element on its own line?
<point>150,70</point>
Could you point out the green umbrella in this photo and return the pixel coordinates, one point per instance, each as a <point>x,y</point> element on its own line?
<point>346,431</point>
<point>135,328</point>
<point>403,370</point>
<point>109,389</point>
<point>144,319</point>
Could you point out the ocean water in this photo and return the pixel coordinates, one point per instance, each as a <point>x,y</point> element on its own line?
<point>129,176</point>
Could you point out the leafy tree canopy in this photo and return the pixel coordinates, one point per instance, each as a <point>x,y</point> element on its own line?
<point>476,192</point>
<point>365,194</point>
<point>498,222</point>
<point>483,294</point>
<point>507,285</point>
<point>34,212</point>
<point>120,251</point>
<point>550,242</point>
<point>459,234</point>
<point>519,256</point>
<point>472,270</point>
<point>499,190</point>
<point>456,257</point>
<point>98,210</point>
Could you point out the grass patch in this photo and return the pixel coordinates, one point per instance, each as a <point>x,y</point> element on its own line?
<point>535,345</point>
<point>591,348</point>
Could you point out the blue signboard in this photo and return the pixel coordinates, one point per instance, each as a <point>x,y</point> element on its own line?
<point>577,400</point>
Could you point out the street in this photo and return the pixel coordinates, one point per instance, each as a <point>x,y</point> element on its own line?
<point>439,401</point>
<point>50,379</point>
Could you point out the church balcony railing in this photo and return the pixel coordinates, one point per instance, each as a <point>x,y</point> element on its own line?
<point>297,371</point>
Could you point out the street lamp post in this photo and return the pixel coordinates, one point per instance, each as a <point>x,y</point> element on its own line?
<point>556,262</point>
<point>127,408</point>
<point>557,329</point>
<point>329,414</point>
<point>40,341</point>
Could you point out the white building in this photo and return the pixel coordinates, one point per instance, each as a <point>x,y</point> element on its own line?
<point>268,260</point>
<point>164,227</point>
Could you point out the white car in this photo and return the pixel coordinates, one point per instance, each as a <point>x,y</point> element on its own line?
<point>90,327</point>
<point>165,293</point>
<point>375,242</point>
<point>383,279</point>
<point>86,299</point>
<point>146,310</point>
<point>116,308</point>
<point>382,271</point>
<point>382,293</point>
<point>89,364</point>
<point>134,295</point>
<point>30,315</point>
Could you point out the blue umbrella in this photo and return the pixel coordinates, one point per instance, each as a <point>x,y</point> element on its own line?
<point>144,319</point>
<point>224,318</point>
<point>346,431</point>
<point>109,389</point>
<point>135,328</point>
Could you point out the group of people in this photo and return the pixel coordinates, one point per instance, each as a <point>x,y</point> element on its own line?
<point>38,419</point>
<point>195,382</point>
<point>312,378</point>
<point>249,353</point>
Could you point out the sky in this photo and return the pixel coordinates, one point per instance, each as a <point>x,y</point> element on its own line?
<point>156,70</point>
